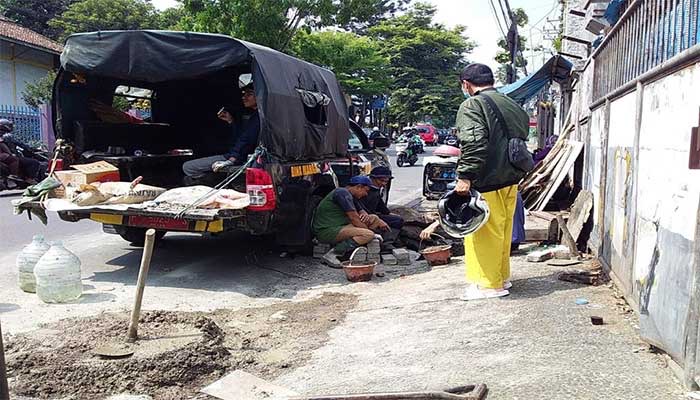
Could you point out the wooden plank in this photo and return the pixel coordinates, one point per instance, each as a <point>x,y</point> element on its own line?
<point>576,150</point>
<point>580,212</point>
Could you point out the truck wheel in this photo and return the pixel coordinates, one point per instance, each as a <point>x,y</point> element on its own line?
<point>136,236</point>
<point>308,247</point>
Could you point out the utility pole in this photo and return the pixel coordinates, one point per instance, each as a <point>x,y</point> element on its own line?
<point>513,40</point>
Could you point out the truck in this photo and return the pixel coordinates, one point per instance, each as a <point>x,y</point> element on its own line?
<point>180,80</point>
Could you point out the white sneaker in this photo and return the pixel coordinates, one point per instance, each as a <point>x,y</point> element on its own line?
<point>473,292</point>
<point>331,259</point>
<point>507,285</point>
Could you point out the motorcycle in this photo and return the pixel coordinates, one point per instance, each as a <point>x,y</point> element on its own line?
<point>406,153</point>
<point>452,140</point>
<point>36,160</point>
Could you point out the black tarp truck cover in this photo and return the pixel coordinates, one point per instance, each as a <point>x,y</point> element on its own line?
<point>285,87</point>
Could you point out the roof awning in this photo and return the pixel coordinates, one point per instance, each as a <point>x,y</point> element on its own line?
<point>556,69</point>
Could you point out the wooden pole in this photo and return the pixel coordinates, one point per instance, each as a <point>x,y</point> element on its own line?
<point>4,388</point>
<point>140,285</point>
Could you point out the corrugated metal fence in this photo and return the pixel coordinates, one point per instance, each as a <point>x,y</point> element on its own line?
<point>27,122</point>
<point>647,34</point>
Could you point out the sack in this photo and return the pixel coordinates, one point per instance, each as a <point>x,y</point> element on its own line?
<point>518,154</point>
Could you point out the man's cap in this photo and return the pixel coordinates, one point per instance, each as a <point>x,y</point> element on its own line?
<point>360,180</point>
<point>476,73</point>
<point>381,172</point>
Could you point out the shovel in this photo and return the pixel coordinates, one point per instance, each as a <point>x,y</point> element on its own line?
<point>121,349</point>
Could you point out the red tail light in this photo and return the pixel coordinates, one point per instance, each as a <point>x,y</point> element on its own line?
<point>260,189</point>
<point>59,164</point>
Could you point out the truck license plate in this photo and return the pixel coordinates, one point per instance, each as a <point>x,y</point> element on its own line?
<point>305,169</point>
<point>158,222</point>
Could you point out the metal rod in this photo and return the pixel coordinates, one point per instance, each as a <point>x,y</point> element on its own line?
<point>682,59</point>
<point>471,392</point>
<point>141,285</point>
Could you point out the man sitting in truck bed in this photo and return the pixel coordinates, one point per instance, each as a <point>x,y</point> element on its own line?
<point>337,221</point>
<point>246,140</point>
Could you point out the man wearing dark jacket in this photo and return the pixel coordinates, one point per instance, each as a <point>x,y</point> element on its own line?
<point>246,140</point>
<point>484,166</point>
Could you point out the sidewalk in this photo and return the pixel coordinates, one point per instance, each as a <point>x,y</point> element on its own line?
<point>414,333</point>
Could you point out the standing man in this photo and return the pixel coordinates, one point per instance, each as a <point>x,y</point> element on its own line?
<point>484,166</point>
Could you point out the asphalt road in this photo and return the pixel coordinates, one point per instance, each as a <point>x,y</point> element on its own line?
<point>16,230</point>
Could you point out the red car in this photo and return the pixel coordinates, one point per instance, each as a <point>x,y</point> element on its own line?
<point>428,133</point>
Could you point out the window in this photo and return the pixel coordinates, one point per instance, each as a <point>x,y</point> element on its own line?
<point>315,104</point>
<point>134,101</point>
<point>354,142</point>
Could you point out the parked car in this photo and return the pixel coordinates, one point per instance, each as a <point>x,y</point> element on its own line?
<point>428,133</point>
<point>303,117</point>
<point>362,157</point>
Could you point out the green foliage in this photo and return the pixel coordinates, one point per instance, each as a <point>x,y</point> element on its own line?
<point>425,61</point>
<point>35,14</point>
<point>169,18</point>
<point>274,23</point>
<point>121,103</point>
<point>94,15</point>
<point>356,60</point>
<point>39,92</point>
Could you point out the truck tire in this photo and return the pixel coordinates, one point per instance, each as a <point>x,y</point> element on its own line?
<point>136,236</point>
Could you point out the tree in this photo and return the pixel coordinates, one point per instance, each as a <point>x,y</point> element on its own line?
<point>356,60</point>
<point>503,56</point>
<point>35,14</point>
<point>39,92</point>
<point>94,15</point>
<point>425,61</point>
<point>274,23</point>
<point>169,18</point>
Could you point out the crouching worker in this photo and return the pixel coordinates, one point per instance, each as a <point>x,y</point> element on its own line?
<point>373,206</point>
<point>337,221</point>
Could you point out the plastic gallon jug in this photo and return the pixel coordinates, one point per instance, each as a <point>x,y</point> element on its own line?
<point>57,275</point>
<point>26,261</point>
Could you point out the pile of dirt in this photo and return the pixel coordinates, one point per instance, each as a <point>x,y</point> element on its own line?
<point>177,353</point>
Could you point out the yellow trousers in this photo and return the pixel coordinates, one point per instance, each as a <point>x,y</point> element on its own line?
<point>487,251</point>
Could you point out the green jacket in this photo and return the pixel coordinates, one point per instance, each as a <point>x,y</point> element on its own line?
<point>484,144</point>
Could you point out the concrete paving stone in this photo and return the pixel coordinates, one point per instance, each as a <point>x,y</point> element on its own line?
<point>388,259</point>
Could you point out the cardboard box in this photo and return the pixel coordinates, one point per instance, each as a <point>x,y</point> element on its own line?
<point>100,171</point>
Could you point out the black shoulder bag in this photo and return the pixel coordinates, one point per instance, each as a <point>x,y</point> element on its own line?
<point>518,154</point>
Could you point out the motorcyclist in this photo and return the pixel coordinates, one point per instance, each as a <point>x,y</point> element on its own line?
<point>22,167</point>
<point>414,141</point>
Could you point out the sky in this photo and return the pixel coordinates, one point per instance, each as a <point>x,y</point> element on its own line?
<point>482,28</point>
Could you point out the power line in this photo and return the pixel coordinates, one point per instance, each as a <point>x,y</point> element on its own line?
<point>506,17</point>
<point>498,21</point>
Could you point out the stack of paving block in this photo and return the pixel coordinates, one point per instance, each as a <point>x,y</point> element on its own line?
<point>402,256</point>
<point>373,251</point>
<point>321,249</point>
